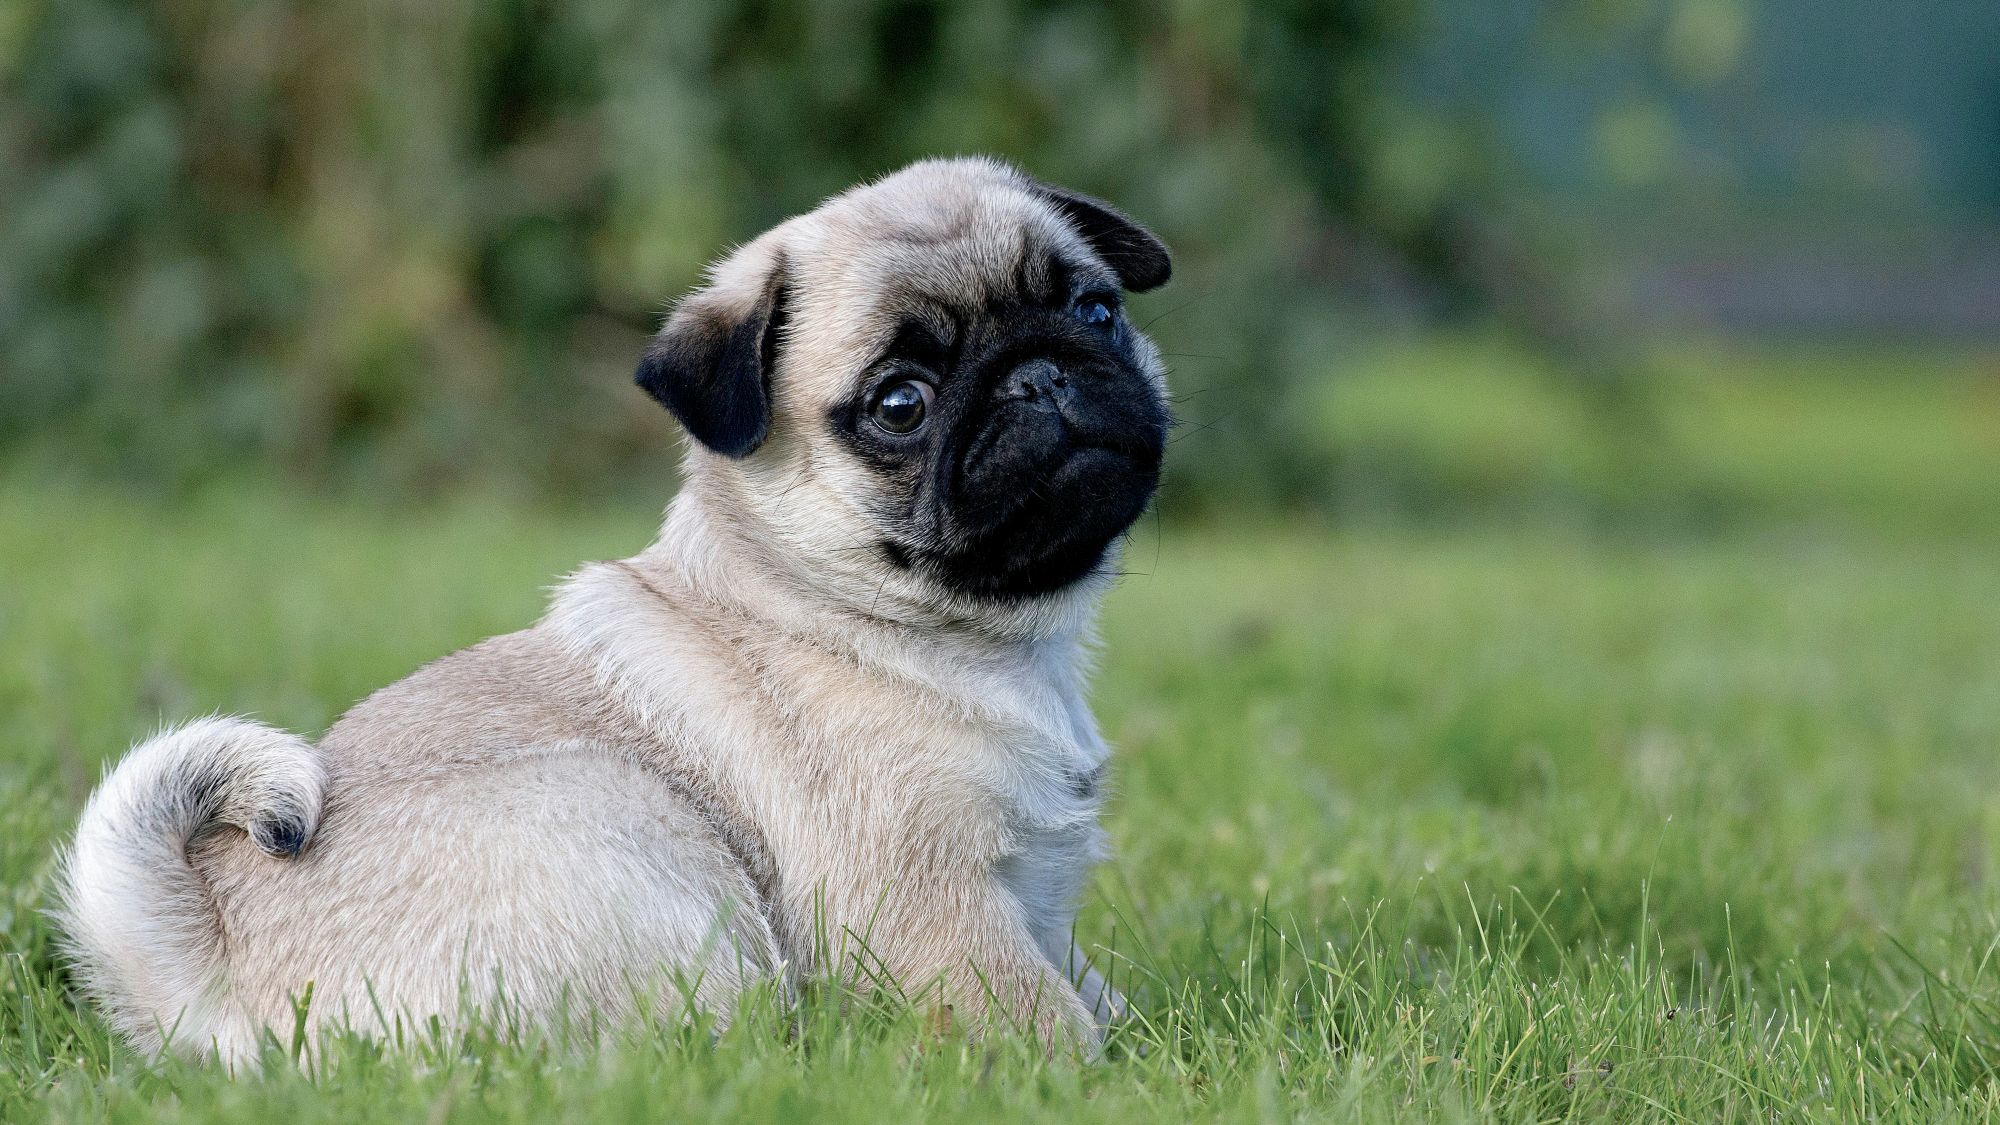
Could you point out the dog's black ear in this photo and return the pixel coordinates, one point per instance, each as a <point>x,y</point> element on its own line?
<point>1136,254</point>
<point>711,364</point>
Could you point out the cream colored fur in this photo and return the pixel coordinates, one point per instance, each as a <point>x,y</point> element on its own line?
<point>701,758</point>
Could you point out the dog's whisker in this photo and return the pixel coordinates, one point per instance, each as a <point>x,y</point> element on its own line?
<point>1158,317</point>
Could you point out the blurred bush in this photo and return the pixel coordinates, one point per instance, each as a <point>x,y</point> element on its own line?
<point>414,243</point>
<point>411,242</point>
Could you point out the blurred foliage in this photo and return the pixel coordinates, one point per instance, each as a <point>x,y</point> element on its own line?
<point>409,243</point>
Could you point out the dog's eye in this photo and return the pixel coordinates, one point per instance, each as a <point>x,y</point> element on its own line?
<point>1094,311</point>
<point>901,408</point>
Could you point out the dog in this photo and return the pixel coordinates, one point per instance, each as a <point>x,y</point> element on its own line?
<point>832,721</point>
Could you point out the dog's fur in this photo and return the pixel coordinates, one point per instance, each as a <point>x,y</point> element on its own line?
<point>832,720</point>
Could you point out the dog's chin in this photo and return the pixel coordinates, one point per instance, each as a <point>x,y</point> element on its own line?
<point>1056,533</point>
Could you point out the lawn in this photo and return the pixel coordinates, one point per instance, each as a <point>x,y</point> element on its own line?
<point>1523,818</point>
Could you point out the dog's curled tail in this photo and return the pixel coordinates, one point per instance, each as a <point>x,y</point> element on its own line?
<point>138,922</point>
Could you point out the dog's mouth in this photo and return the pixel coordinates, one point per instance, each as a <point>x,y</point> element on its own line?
<point>1070,437</point>
<point>1033,519</point>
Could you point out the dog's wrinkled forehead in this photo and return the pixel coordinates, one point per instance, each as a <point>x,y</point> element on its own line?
<point>934,245</point>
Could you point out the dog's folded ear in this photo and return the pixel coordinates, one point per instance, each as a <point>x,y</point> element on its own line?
<point>1136,254</point>
<point>711,363</point>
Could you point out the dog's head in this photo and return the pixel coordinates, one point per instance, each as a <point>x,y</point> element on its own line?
<point>927,388</point>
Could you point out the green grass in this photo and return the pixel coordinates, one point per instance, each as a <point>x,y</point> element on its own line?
<point>1526,820</point>
<point>1722,437</point>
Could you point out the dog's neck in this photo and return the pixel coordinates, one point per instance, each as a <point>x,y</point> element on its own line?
<point>716,549</point>
<point>698,569</point>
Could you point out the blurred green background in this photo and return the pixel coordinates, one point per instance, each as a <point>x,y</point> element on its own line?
<point>1572,610</point>
<point>1434,256</point>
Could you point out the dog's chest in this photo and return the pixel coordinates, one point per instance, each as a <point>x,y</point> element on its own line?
<point>1026,739</point>
<point>1007,743</point>
<point>1053,838</point>
<point>1045,766</point>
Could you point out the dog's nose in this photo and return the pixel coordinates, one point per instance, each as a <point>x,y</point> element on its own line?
<point>1041,384</point>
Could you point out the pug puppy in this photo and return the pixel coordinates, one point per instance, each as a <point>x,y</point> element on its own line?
<point>832,721</point>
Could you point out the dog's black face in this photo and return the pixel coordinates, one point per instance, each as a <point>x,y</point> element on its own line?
<point>1016,440</point>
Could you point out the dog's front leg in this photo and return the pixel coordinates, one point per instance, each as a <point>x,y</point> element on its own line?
<point>1106,1004</point>
<point>962,944</point>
